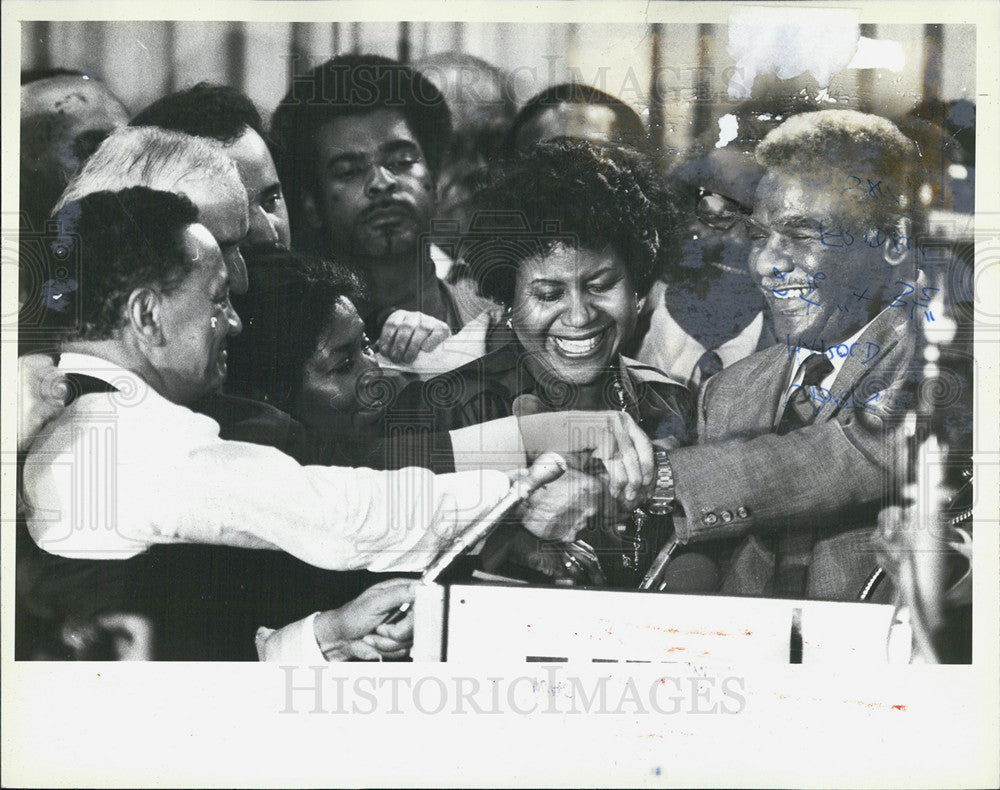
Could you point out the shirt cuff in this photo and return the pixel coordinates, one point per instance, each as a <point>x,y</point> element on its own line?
<point>295,642</point>
<point>490,445</point>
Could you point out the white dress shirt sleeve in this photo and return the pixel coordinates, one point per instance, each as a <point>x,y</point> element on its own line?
<point>294,643</point>
<point>165,476</point>
<point>331,517</point>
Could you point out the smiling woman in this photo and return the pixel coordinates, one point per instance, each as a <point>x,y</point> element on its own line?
<point>569,235</point>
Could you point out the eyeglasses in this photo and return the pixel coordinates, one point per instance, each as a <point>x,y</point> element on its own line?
<point>718,211</point>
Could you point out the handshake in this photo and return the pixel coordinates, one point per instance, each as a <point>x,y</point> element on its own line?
<point>611,472</point>
<point>612,468</point>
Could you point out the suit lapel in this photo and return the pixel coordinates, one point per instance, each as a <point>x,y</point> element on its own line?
<point>749,393</point>
<point>871,351</point>
<point>776,378</point>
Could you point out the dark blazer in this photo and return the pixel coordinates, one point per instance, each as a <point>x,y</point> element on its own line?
<point>486,389</point>
<point>742,479</point>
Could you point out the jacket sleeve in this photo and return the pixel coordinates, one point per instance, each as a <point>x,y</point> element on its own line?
<point>741,477</point>
<point>768,482</point>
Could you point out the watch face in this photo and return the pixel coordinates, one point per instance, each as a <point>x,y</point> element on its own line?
<point>658,506</point>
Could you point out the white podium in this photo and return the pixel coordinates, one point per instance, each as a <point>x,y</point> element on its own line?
<point>498,622</point>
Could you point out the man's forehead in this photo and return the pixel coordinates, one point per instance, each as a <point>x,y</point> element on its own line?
<point>727,171</point>
<point>362,132</point>
<point>218,204</point>
<point>252,158</point>
<point>815,192</point>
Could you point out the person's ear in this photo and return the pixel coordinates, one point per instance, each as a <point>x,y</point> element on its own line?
<point>310,210</point>
<point>898,243</point>
<point>143,315</point>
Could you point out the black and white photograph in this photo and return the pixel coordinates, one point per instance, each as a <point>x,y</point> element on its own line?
<point>506,394</point>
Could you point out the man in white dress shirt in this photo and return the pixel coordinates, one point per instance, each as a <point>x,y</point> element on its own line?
<point>127,465</point>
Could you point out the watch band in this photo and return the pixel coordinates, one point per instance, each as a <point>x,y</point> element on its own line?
<point>664,496</point>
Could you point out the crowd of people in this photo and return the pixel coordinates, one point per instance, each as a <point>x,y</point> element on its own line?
<point>270,369</point>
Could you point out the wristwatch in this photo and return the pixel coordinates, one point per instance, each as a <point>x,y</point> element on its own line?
<point>664,496</point>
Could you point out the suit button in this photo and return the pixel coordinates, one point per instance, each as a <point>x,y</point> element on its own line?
<point>710,519</point>
<point>742,512</point>
<point>726,516</point>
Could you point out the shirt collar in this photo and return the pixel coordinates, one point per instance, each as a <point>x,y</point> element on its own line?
<point>442,262</point>
<point>115,375</point>
<point>836,358</point>
<point>687,351</point>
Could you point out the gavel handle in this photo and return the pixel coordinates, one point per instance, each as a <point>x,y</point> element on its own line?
<point>547,467</point>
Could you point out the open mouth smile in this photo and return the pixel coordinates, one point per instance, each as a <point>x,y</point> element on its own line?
<point>579,347</point>
<point>785,291</point>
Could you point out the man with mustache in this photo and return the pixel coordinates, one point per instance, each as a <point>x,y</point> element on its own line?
<point>363,138</point>
<point>795,452</point>
<point>706,311</point>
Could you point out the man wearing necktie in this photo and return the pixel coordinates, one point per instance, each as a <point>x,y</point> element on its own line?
<point>706,312</point>
<point>796,450</point>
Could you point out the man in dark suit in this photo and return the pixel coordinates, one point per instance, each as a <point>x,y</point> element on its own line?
<point>796,449</point>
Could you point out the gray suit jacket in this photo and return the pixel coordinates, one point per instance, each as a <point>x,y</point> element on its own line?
<point>832,477</point>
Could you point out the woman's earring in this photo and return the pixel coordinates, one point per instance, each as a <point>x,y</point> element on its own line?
<point>638,303</point>
<point>507,322</point>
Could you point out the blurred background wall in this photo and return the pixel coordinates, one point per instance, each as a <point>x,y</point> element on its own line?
<point>144,60</point>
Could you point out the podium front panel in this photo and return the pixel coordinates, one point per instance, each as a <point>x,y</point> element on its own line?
<point>488,622</point>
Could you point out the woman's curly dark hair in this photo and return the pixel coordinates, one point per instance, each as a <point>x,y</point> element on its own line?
<point>576,193</point>
<point>284,311</point>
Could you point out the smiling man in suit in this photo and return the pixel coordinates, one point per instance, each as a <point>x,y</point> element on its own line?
<point>796,450</point>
